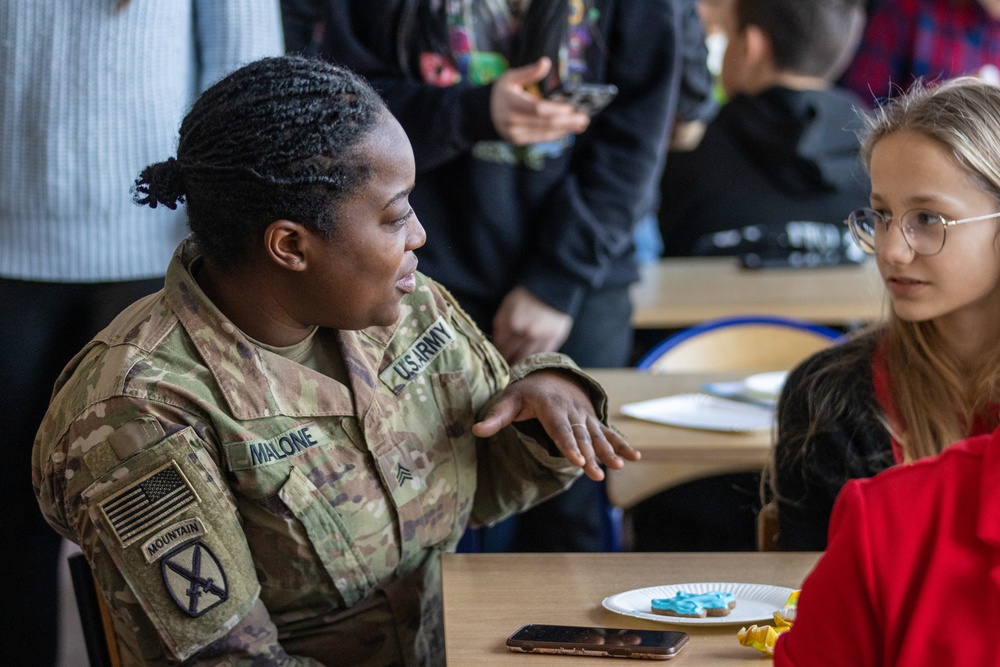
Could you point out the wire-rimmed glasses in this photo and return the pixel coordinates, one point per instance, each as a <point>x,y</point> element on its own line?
<point>923,230</point>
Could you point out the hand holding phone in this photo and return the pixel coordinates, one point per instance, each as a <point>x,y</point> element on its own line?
<point>588,98</point>
<point>600,642</point>
<point>521,117</point>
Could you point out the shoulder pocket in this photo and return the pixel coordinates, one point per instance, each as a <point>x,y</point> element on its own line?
<point>170,528</point>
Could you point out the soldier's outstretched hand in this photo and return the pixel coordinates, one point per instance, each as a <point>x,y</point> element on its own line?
<point>565,412</point>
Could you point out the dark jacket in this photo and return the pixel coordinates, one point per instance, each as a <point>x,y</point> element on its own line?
<point>830,430</point>
<point>560,231</point>
<point>779,156</point>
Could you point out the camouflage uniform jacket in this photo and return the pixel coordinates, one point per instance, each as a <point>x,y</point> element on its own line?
<point>236,506</point>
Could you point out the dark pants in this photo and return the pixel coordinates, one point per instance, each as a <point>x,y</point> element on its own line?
<point>576,519</point>
<point>717,513</point>
<point>42,325</point>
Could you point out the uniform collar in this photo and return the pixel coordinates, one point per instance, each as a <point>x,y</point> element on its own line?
<point>256,386</point>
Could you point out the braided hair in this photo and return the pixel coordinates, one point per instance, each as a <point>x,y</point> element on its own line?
<point>275,139</point>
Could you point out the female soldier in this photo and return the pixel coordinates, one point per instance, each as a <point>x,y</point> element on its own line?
<point>931,375</point>
<point>266,459</point>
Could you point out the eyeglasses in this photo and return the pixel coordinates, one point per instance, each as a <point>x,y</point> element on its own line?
<point>923,230</point>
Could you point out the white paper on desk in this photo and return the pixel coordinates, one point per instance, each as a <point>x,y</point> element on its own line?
<point>702,411</point>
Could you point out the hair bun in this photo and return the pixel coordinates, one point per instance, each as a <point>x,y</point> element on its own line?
<point>160,183</point>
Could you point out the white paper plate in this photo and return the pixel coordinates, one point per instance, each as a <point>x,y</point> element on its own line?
<point>766,385</point>
<point>754,602</point>
<point>702,411</point>
<point>736,390</point>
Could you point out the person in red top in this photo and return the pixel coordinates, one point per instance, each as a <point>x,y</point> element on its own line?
<point>930,375</point>
<point>892,590</point>
<point>906,40</point>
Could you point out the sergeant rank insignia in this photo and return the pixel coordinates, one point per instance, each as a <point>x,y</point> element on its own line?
<point>194,578</point>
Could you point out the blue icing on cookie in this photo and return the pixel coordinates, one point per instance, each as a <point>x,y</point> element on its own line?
<point>693,604</point>
<point>678,606</point>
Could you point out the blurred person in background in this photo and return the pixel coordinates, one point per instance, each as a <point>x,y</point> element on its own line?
<point>92,92</point>
<point>696,105</point>
<point>933,40</point>
<point>529,202</point>
<point>783,148</point>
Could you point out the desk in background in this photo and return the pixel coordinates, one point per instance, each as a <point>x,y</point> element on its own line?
<point>489,596</point>
<point>679,292</point>
<point>671,455</point>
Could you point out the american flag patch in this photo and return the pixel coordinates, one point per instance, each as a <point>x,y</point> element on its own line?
<point>148,503</point>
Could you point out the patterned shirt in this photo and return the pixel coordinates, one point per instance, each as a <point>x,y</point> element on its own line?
<point>930,39</point>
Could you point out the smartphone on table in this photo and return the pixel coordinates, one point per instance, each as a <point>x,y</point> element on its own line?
<point>588,98</point>
<point>602,642</point>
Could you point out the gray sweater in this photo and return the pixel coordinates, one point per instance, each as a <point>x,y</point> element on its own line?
<point>90,95</point>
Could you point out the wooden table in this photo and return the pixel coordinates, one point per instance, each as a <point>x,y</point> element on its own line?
<point>678,292</point>
<point>489,596</point>
<point>671,455</point>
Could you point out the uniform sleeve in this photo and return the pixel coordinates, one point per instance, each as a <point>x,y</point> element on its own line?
<point>586,223</point>
<point>829,431</point>
<point>836,622</point>
<point>520,466</point>
<point>138,486</point>
<point>232,33</point>
<point>556,361</point>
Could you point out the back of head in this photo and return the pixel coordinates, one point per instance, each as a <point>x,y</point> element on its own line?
<point>961,114</point>
<point>808,37</point>
<point>274,139</point>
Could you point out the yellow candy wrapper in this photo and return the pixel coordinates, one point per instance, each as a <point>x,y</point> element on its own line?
<point>787,613</point>
<point>763,638</point>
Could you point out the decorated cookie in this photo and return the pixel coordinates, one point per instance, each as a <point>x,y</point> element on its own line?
<point>694,605</point>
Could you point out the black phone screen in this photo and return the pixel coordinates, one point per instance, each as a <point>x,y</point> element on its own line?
<point>577,635</point>
<point>588,98</point>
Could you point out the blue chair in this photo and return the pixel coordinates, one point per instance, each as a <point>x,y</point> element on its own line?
<point>742,344</point>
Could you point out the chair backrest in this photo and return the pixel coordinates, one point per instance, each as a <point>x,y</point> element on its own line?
<point>747,344</point>
<point>767,527</point>
<point>95,615</point>
<point>750,344</point>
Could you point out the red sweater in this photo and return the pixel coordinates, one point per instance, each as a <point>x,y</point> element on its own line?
<point>911,575</point>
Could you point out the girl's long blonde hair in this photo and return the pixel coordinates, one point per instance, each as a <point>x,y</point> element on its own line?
<point>937,398</point>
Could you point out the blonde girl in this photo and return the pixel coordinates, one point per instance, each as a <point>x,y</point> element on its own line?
<point>909,387</point>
